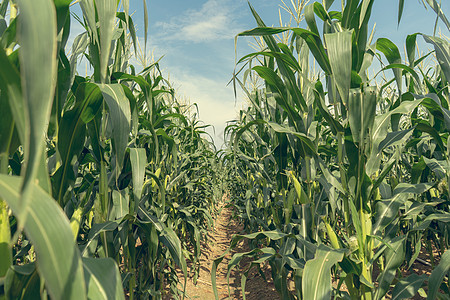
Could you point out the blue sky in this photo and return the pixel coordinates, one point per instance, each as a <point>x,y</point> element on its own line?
<point>196,38</point>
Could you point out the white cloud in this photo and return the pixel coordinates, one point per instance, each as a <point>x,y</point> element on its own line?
<point>215,100</point>
<point>216,20</point>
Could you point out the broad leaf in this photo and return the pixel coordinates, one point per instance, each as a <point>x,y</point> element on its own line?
<point>394,257</point>
<point>120,115</point>
<point>22,282</point>
<point>408,287</point>
<point>103,279</point>
<point>386,211</point>
<point>47,227</point>
<point>138,159</point>
<point>442,48</point>
<point>339,48</point>
<point>395,138</point>
<point>392,54</point>
<point>438,275</point>
<point>106,10</point>
<point>316,283</point>
<point>71,135</point>
<point>95,232</point>
<point>37,38</point>
<point>361,110</point>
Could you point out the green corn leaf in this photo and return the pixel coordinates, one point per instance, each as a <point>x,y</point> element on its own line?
<point>365,10</point>
<point>37,38</point>
<point>309,145</point>
<point>162,189</point>
<point>316,46</point>
<point>316,283</point>
<point>121,204</point>
<point>42,175</point>
<point>143,84</point>
<point>59,260</point>
<point>320,11</point>
<point>379,132</point>
<point>394,257</point>
<point>3,25</point>
<point>169,238</point>
<point>129,21</point>
<point>348,13</point>
<point>64,82</point>
<point>79,45</point>
<point>439,167</point>
<point>412,188</point>
<point>301,195</point>
<point>441,217</point>
<point>327,3</point>
<point>62,12</point>
<point>88,8</point>
<point>437,275</point>
<point>442,48</point>
<point>120,114</point>
<point>395,138</point>
<point>103,279</point>
<point>310,19</point>
<point>267,253</point>
<point>95,231</point>
<point>339,47</point>
<point>401,4</point>
<point>433,103</point>
<point>438,10</point>
<point>386,211</point>
<point>408,287</point>
<point>390,51</point>
<point>22,282</point>
<point>365,64</point>
<point>106,10</point>
<point>9,36</point>
<point>261,31</point>
<point>4,8</point>
<point>273,235</point>
<point>411,48</point>
<point>330,177</point>
<point>138,159</point>
<point>358,226</point>
<point>424,126</point>
<point>269,40</point>
<point>275,82</point>
<point>72,132</point>
<point>361,112</point>
<point>144,2</point>
<point>407,69</point>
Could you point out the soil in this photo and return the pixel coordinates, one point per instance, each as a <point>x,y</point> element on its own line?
<point>218,241</point>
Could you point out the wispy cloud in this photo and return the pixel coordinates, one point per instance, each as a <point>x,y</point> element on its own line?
<point>215,20</point>
<point>215,100</point>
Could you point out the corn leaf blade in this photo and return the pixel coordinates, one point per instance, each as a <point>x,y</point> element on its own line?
<point>37,38</point>
<point>49,230</point>
<point>102,278</point>
<point>316,283</point>
<point>339,46</point>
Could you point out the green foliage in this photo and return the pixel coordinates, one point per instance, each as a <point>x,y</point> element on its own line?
<point>339,159</point>
<point>110,180</point>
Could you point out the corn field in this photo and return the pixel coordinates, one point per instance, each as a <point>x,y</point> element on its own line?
<point>338,173</point>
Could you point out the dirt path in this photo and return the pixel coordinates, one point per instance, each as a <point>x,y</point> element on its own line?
<point>219,240</point>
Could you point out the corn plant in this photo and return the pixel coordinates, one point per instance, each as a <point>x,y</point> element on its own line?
<point>104,174</point>
<point>324,186</point>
